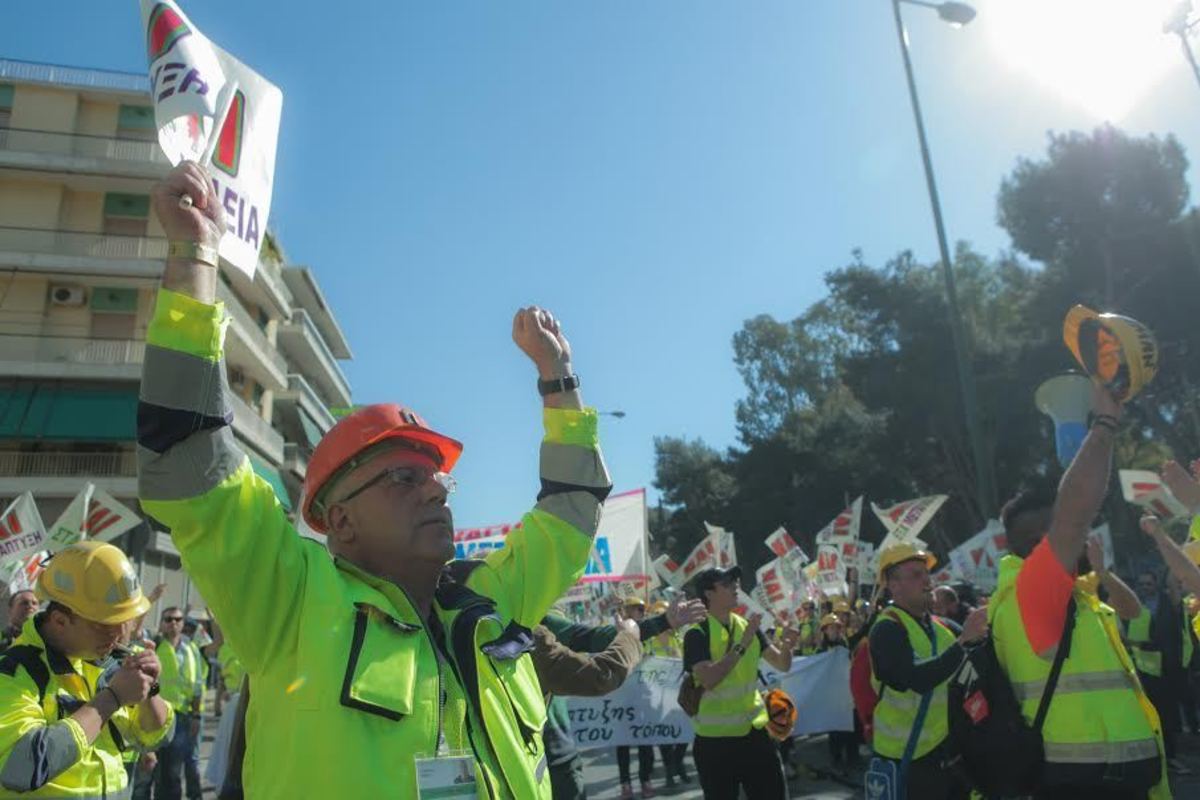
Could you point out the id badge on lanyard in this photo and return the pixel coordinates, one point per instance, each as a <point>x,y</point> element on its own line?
<point>451,775</point>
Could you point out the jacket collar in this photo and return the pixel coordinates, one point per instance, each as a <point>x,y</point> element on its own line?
<point>31,634</point>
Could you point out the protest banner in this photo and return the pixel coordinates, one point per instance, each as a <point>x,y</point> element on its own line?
<point>618,549</point>
<point>784,546</point>
<point>904,521</point>
<point>1146,489</point>
<point>92,514</point>
<point>644,711</point>
<point>845,526</point>
<point>668,571</point>
<point>21,530</point>
<point>211,108</point>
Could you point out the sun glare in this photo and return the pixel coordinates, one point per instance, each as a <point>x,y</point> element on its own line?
<point>1102,55</point>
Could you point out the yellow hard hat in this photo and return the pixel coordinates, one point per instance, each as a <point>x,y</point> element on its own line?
<point>96,581</point>
<point>1119,352</point>
<point>829,619</point>
<point>634,602</point>
<point>659,607</point>
<point>841,606</point>
<point>899,553</point>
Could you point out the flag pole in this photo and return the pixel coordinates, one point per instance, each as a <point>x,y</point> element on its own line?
<point>210,146</point>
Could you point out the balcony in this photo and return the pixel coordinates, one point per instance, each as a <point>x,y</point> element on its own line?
<point>71,357</point>
<point>16,71</point>
<point>42,250</point>
<point>295,460</point>
<point>299,391</point>
<point>306,349</point>
<point>305,292</point>
<point>256,431</point>
<point>56,151</point>
<point>249,345</point>
<point>64,474</point>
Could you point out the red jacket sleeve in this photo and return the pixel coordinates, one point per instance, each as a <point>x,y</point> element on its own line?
<point>1043,592</point>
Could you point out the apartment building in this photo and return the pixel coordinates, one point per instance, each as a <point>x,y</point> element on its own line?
<point>80,258</point>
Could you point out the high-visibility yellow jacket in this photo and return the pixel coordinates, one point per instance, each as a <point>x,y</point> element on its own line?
<point>1100,726</point>
<point>896,711</point>
<point>43,753</point>
<point>734,706</point>
<point>348,686</point>
<point>181,682</point>
<point>1147,656</point>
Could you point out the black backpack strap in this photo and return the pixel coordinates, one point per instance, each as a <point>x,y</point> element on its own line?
<point>29,657</point>
<point>1064,650</point>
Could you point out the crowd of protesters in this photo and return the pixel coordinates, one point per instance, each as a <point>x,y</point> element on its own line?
<point>414,674</point>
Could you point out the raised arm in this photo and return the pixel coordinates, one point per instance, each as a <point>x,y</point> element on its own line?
<point>548,553</point>
<point>193,477</point>
<point>779,654</point>
<point>1123,599</point>
<point>1181,566</point>
<point>1085,483</point>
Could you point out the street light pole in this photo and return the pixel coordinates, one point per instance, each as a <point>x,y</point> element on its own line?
<point>985,483</point>
<point>1179,23</point>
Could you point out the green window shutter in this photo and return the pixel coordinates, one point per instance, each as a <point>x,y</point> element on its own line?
<point>136,118</point>
<point>117,204</point>
<point>272,476</point>
<point>6,95</point>
<point>111,299</point>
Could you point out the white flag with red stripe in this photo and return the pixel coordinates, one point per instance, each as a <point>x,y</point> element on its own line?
<point>22,532</point>
<point>904,521</point>
<point>844,526</point>
<point>1144,488</point>
<point>211,107</point>
<point>93,514</point>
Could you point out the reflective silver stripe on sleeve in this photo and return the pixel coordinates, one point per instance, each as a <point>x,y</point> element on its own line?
<point>540,770</point>
<point>580,509</point>
<point>575,465</point>
<point>172,379</point>
<point>38,756</point>
<point>191,467</point>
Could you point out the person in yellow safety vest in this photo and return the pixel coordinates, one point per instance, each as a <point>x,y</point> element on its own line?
<point>810,634</point>
<point>232,673</point>
<point>183,675</point>
<point>1101,735</point>
<point>732,748</point>
<point>373,654</point>
<point>914,654</point>
<point>63,729</point>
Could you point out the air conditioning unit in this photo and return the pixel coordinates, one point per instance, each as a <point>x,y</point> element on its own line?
<point>62,295</point>
<point>237,378</point>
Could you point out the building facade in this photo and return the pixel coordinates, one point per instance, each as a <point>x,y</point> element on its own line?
<point>81,255</point>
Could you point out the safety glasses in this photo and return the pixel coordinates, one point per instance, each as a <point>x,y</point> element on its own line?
<point>406,478</point>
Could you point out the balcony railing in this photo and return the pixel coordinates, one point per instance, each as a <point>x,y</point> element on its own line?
<point>71,350</point>
<point>256,430</point>
<point>58,75</point>
<point>295,458</point>
<point>16,464</point>
<point>25,140</point>
<point>244,322</point>
<point>76,243</point>
<point>312,401</point>
<point>313,334</point>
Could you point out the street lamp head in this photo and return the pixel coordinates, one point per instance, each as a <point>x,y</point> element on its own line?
<point>957,14</point>
<point>618,414</point>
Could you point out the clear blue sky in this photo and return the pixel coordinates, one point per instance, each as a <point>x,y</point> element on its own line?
<point>653,172</point>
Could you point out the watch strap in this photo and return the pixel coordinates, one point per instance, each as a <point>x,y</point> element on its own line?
<point>567,383</point>
<point>194,251</point>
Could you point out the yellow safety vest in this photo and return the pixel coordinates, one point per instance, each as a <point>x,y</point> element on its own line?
<point>896,712</point>
<point>1148,658</point>
<point>734,706</point>
<point>232,669</point>
<point>181,683</point>
<point>43,752</point>
<point>807,628</point>
<point>1099,719</point>
<point>655,647</point>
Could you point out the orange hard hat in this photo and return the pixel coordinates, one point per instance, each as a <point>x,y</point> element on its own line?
<point>353,440</point>
<point>781,714</point>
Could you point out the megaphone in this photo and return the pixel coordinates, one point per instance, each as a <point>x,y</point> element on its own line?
<point>1067,400</point>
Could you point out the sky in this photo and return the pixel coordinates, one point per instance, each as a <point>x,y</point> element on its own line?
<point>653,172</point>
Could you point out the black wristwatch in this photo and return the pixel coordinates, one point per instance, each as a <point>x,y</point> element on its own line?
<point>568,383</point>
<point>739,649</point>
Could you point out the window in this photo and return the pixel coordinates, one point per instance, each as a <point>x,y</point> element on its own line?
<point>136,122</point>
<point>6,101</point>
<point>110,300</point>
<point>126,214</point>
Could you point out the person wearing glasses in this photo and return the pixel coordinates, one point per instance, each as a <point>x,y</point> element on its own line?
<point>379,665</point>
<point>183,673</point>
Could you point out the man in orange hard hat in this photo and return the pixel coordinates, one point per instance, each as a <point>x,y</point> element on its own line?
<point>372,652</point>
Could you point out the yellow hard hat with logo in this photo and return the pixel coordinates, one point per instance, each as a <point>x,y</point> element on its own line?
<point>1118,352</point>
<point>899,553</point>
<point>96,581</point>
